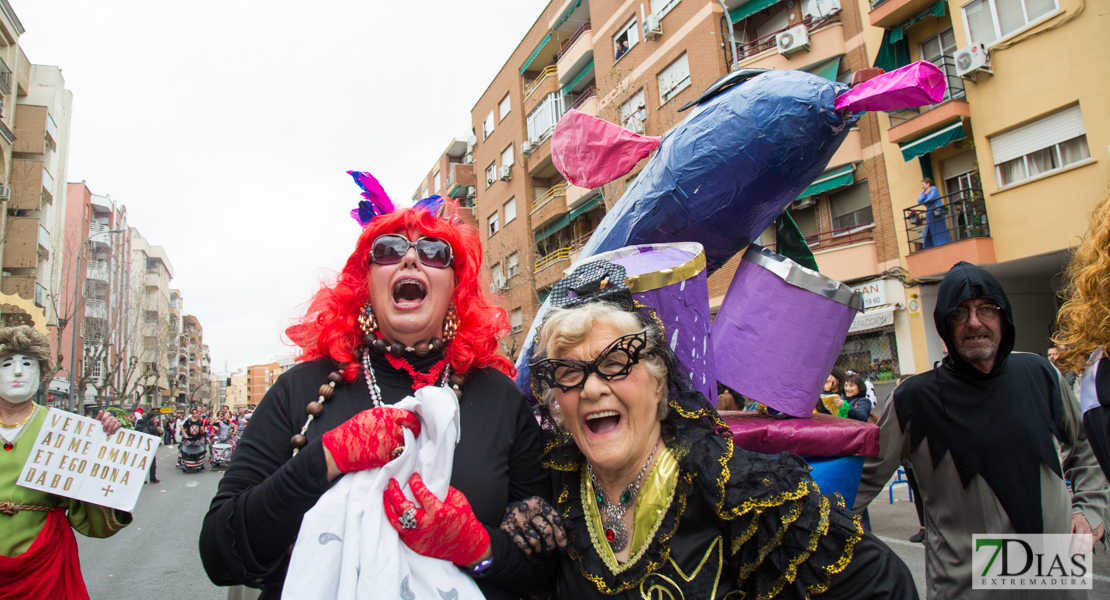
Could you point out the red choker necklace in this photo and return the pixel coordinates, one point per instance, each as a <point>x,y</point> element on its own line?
<point>419,379</point>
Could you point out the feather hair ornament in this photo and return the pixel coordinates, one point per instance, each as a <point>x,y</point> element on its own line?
<point>376,201</point>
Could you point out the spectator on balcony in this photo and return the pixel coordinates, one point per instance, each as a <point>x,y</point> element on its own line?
<point>622,47</point>
<point>936,228</point>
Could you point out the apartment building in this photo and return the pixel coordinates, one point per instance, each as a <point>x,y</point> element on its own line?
<point>152,272</point>
<point>451,177</point>
<point>14,81</point>
<point>1018,148</point>
<point>635,65</point>
<point>190,363</point>
<point>259,380</point>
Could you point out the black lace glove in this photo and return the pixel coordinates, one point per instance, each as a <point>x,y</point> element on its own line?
<point>534,526</point>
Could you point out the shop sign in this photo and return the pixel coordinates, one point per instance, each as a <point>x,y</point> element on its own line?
<point>872,320</point>
<point>874,293</point>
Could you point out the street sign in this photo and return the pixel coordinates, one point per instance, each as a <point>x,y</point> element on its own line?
<point>165,409</point>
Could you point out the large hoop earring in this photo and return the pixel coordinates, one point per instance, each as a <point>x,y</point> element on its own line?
<point>450,324</point>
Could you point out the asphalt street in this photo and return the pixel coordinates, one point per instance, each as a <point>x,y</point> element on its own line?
<point>156,557</point>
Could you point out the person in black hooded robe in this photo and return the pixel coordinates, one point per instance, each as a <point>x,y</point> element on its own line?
<point>1003,434</point>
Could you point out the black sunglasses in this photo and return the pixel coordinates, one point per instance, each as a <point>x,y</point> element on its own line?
<point>390,248</point>
<point>615,362</point>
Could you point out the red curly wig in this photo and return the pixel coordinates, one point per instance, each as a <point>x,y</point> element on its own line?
<point>329,328</point>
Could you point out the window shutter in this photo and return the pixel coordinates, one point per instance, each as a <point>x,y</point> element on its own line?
<point>1047,131</point>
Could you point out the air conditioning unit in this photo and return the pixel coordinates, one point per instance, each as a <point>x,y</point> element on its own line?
<point>972,59</point>
<point>471,191</point>
<point>505,173</point>
<point>5,193</point>
<point>792,40</point>
<point>527,147</point>
<point>801,203</point>
<point>504,284</point>
<point>653,28</point>
<point>468,159</point>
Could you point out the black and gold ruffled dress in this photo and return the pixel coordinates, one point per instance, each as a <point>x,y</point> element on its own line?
<point>714,521</point>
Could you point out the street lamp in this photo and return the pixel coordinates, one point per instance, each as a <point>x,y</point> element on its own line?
<point>73,333</point>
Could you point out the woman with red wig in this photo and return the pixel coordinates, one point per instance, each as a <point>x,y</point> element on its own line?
<point>407,311</point>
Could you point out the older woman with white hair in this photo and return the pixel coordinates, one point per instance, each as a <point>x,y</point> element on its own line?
<point>653,498</point>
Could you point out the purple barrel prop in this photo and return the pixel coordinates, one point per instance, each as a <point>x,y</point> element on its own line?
<point>669,280</point>
<point>779,331</point>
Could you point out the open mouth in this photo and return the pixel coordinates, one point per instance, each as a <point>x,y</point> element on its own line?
<point>603,421</point>
<point>409,292</point>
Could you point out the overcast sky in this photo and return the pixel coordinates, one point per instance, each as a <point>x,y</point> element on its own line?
<point>225,127</point>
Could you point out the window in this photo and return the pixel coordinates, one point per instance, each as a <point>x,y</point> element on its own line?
<point>517,319</point>
<point>991,20</point>
<point>662,7</point>
<point>493,228</point>
<point>633,113</point>
<point>1051,142</point>
<point>851,207</point>
<point>424,192</point>
<point>806,219</point>
<point>674,78</point>
<point>487,125</point>
<point>507,157</point>
<point>514,264</point>
<point>438,183</point>
<point>625,39</point>
<point>542,119</point>
<point>491,174</point>
<point>510,210</point>
<point>505,106</point>
<point>939,50</point>
<point>498,276</point>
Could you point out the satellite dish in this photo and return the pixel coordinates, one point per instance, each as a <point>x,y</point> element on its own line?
<point>471,141</point>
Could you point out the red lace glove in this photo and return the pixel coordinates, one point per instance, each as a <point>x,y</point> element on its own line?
<point>444,529</point>
<point>367,439</point>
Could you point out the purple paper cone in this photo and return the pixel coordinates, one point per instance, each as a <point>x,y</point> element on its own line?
<point>779,331</point>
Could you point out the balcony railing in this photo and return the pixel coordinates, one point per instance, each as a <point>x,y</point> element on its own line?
<point>767,42</point>
<point>95,228</point>
<point>584,97</point>
<point>549,71</point>
<point>953,90</point>
<point>841,237</point>
<point>959,216</point>
<point>577,34</point>
<point>554,192</point>
<point>546,261</point>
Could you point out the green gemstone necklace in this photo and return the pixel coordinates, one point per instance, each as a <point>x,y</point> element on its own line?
<point>615,531</point>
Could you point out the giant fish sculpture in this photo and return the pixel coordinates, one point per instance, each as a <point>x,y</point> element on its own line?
<point>752,143</point>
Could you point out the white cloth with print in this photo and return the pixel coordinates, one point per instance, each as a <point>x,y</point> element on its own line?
<point>346,548</point>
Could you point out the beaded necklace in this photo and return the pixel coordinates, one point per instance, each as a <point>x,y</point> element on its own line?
<point>615,531</point>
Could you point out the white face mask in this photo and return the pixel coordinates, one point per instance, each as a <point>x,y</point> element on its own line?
<point>19,378</point>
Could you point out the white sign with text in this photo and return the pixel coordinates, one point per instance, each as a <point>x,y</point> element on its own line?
<point>73,458</point>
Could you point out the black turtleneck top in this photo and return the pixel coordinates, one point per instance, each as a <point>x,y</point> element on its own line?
<point>255,516</point>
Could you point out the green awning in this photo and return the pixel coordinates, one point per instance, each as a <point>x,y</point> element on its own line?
<point>892,55</point>
<point>587,206</point>
<point>546,232</point>
<point>535,53</point>
<point>933,140</point>
<point>586,70</point>
<point>826,68</point>
<point>569,13</point>
<point>830,180</point>
<point>750,8</point>
<point>936,10</point>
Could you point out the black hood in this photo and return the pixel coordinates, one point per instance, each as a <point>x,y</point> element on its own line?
<point>966,281</point>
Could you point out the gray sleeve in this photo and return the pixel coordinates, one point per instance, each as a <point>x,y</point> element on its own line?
<point>1079,463</point>
<point>893,447</point>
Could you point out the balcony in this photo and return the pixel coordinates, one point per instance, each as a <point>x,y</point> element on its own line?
<point>21,245</point>
<point>40,296</point>
<point>44,243</point>
<point>575,54</point>
<point>19,285</point>
<point>548,78</point>
<point>549,269</point>
<point>31,183</point>
<point>5,79</point>
<point>959,231</point>
<point>96,309</point>
<point>34,129</point>
<point>821,45</point>
<point>587,102</point>
<point>98,270</point>
<point>550,206</point>
<point>930,119</point>
<point>888,13</point>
